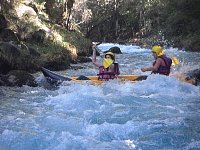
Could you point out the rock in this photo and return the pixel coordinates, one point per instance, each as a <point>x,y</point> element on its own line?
<point>38,36</point>
<point>7,35</point>
<point>82,59</point>
<point>8,53</point>
<point>33,52</point>
<point>57,61</point>
<point>3,22</point>
<point>115,50</point>
<point>5,66</point>
<point>1,82</point>
<point>23,10</point>
<point>82,77</point>
<point>194,74</point>
<point>77,67</point>
<point>13,57</point>
<point>17,78</point>
<point>192,77</point>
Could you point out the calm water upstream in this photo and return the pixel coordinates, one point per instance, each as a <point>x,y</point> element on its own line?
<point>160,113</point>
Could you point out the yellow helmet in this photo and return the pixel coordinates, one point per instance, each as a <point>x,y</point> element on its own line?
<point>158,50</point>
<point>111,54</point>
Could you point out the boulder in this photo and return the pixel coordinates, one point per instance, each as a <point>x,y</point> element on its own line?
<point>194,74</point>
<point>57,61</point>
<point>115,50</point>
<point>23,10</point>
<point>3,22</point>
<point>82,59</point>
<point>13,57</point>
<point>38,36</point>
<point>17,78</point>
<point>34,52</point>
<point>7,35</point>
<point>8,55</point>
<point>192,77</point>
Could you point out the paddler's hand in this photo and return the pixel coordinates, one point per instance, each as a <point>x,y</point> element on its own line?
<point>94,47</point>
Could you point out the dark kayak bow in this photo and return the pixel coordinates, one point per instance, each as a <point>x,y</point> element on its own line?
<point>53,77</point>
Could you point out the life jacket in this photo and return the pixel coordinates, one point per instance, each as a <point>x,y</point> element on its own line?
<point>105,75</point>
<point>165,70</point>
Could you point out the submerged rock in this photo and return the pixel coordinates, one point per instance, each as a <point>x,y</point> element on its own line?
<point>194,74</point>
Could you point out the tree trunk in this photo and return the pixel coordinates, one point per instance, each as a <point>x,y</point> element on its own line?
<point>116,18</point>
<point>1,6</point>
<point>69,10</point>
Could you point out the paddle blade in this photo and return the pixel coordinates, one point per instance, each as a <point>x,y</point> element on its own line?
<point>175,61</point>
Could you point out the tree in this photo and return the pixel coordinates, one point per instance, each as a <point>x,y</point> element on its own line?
<point>69,5</point>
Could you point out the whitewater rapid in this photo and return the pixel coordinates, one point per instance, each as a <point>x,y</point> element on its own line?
<point>158,113</point>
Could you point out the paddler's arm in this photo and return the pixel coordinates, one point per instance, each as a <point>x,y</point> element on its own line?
<point>94,61</point>
<point>154,67</point>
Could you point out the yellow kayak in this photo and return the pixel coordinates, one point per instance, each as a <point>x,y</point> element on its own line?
<point>55,78</point>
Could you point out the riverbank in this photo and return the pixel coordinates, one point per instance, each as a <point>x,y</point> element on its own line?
<point>28,42</point>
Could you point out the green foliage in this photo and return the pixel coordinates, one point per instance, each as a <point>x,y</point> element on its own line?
<point>177,20</point>
<point>55,9</point>
<point>48,47</point>
<point>191,42</point>
<point>121,20</point>
<point>74,38</point>
<point>182,23</point>
<point>40,1</point>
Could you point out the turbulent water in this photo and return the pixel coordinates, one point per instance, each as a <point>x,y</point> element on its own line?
<point>160,113</point>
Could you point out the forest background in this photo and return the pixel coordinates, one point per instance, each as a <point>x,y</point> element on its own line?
<point>171,21</point>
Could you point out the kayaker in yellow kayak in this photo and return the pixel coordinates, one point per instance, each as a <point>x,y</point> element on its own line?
<point>108,69</point>
<point>162,63</point>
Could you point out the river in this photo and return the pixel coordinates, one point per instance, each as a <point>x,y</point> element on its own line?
<point>160,113</point>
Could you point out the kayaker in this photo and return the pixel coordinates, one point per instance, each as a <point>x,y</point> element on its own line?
<point>108,69</point>
<point>162,63</point>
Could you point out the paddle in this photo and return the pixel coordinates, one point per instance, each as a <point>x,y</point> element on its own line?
<point>175,61</point>
<point>96,44</point>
